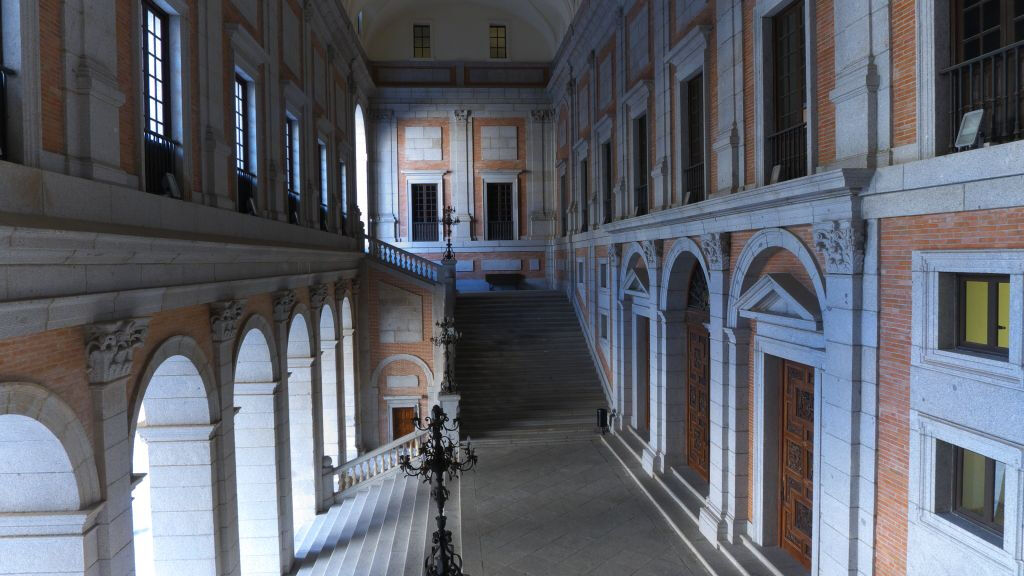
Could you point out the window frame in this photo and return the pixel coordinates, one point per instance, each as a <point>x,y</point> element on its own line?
<point>1007,22</point>
<point>242,130</point>
<point>491,39</point>
<point>429,48</point>
<point>986,522</point>
<point>165,98</point>
<point>641,164</point>
<point>961,343</point>
<point>414,209</point>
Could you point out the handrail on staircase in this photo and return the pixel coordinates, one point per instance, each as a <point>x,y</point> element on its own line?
<point>373,464</point>
<point>403,260</point>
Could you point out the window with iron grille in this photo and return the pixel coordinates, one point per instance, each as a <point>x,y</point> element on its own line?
<point>291,162</point>
<point>322,149</point>
<point>694,173</point>
<point>500,221</point>
<point>343,202</point>
<point>584,195</point>
<point>565,205</point>
<point>499,39</point>
<point>421,41</point>
<point>787,140</point>
<point>160,150</point>
<point>640,169</point>
<point>246,179</point>
<point>987,73</point>
<point>606,180</point>
<point>424,213</point>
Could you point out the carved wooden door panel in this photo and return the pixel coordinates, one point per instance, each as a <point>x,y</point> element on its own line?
<point>698,375</point>
<point>401,421</point>
<point>796,470</point>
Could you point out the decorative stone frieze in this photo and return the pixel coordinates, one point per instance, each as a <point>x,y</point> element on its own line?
<point>110,346</point>
<point>318,295</point>
<point>716,250</point>
<point>224,317</point>
<point>652,252</point>
<point>842,245</point>
<point>543,115</point>
<point>284,301</point>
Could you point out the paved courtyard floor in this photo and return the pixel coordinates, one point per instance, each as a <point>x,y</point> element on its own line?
<point>562,509</point>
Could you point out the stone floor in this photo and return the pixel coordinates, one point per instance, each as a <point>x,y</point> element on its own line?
<point>562,509</point>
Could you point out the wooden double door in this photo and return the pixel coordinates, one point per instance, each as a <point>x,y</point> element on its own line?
<point>402,421</point>
<point>698,399</point>
<point>796,466</point>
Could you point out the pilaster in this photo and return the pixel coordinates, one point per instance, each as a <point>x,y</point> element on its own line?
<point>462,172</point>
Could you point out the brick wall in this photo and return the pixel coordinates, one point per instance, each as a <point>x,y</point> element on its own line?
<point>405,164</point>
<point>480,165</point>
<point>904,75</point>
<point>825,57</point>
<point>128,80</point>
<point>51,50</point>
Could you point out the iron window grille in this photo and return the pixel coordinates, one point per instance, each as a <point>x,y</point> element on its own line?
<point>424,213</point>
<point>291,162</point>
<point>245,177</point>
<point>343,203</point>
<point>565,205</point>
<point>500,221</point>
<point>988,70</point>
<point>640,169</point>
<point>160,150</point>
<point>606,173</point>
<point>694,172</point>
<point>322,148</point>
<point>787,144</point>
<point>421,41</point>
<point>584,195</point>
<point>499,42</point>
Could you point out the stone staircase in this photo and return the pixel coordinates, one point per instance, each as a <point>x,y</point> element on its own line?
<point>523,368</point>
<point>379,528</point>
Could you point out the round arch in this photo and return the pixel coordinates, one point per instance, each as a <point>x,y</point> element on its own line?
<point>760,243</point>
<point>260,366</point>
<point>361,159</point>
<point>677,275</point>
<point>633,257</point>
<point>51,425</point>
<point>300,333</point>
<point>375,377</point>
<point>183,352</point>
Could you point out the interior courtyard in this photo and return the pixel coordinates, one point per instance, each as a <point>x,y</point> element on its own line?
<point>511,287</point>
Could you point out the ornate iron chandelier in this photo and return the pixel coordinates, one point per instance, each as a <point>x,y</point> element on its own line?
<point>449,220</point>
<point>448,338</point>
<point>437,457</point>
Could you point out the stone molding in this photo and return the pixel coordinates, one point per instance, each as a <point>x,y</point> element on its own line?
<point>284,301</point>
<point>224,317</point>
<point>842,244</point>
<point>110,347</point>
<point>716,249</point>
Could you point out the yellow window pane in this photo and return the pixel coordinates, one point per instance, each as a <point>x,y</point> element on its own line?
<point>999,490</point>
<point>1004,315</point>
<point>976,312</point>
<point>972,493</point>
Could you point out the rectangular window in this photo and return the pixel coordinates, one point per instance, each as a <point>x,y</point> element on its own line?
<point>584,195</point>
<point>983,313</point>
<point>424,213</point>
<point>499,46</point>
<point>160,150</point>
<point>606,173</point>
<point>604,276</point>
<point>343,202</point>
<point>322,148</point>
<point>292,163</point>
<point>604,327</point>
<point>787,140</point>
<point>246,180</point>
<point>640,170</point>
<point>581,275</point>
<point>500,221</point>
<point>565,205</point>
<point>694,173</point>
<point>986,73</point>
<point>971,488</point>
<point>421,41</point>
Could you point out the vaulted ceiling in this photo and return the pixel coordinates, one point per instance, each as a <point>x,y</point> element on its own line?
<point>550,18</point>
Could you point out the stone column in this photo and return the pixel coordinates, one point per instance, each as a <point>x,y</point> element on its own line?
<point>462,173</point>
<point>94,97</point>
<point>846,469</point>
<point>224,318</point>
<point>727,138</point>
<point>671,434</point>
<point>383,172</point>
<point>69,538</point>
<point>284,302</point>
<point>540,160</point>
<point>728,401</point>
<point>110,348</point>
<point>317,297</point>
<point>655,356</point>
<point>182,479</point>
<point>857,83</point>
<point>215,152</point>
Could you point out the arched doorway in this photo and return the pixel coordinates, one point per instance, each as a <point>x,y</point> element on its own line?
<point>173,506</point>
<point>348,357</point>
<point>256,470</point>
<point>47,472</point>
<point>635,326</point>
<point>362,180</point>
<point>301,423</point>
<point>329,384</point>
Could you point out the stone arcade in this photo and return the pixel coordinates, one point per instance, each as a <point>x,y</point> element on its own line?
<point>780,241</point>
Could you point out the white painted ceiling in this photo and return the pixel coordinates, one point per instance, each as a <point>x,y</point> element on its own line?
<point>551,18</point>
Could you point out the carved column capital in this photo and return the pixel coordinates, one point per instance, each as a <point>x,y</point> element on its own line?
<point>224,317</point>
<point>462,115</point>
<point>109,348</point>
<point>543,115</point>
<point>318,295</point>
<point>652,252</point>
<point>842,244</point>
<point>716,250</point>
<point>613,256</point>
<point>284,301</point>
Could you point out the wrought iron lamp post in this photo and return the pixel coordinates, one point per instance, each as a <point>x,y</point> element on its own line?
<point>448,338</point>
<point>449,220</point>
<point>439,456</point>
